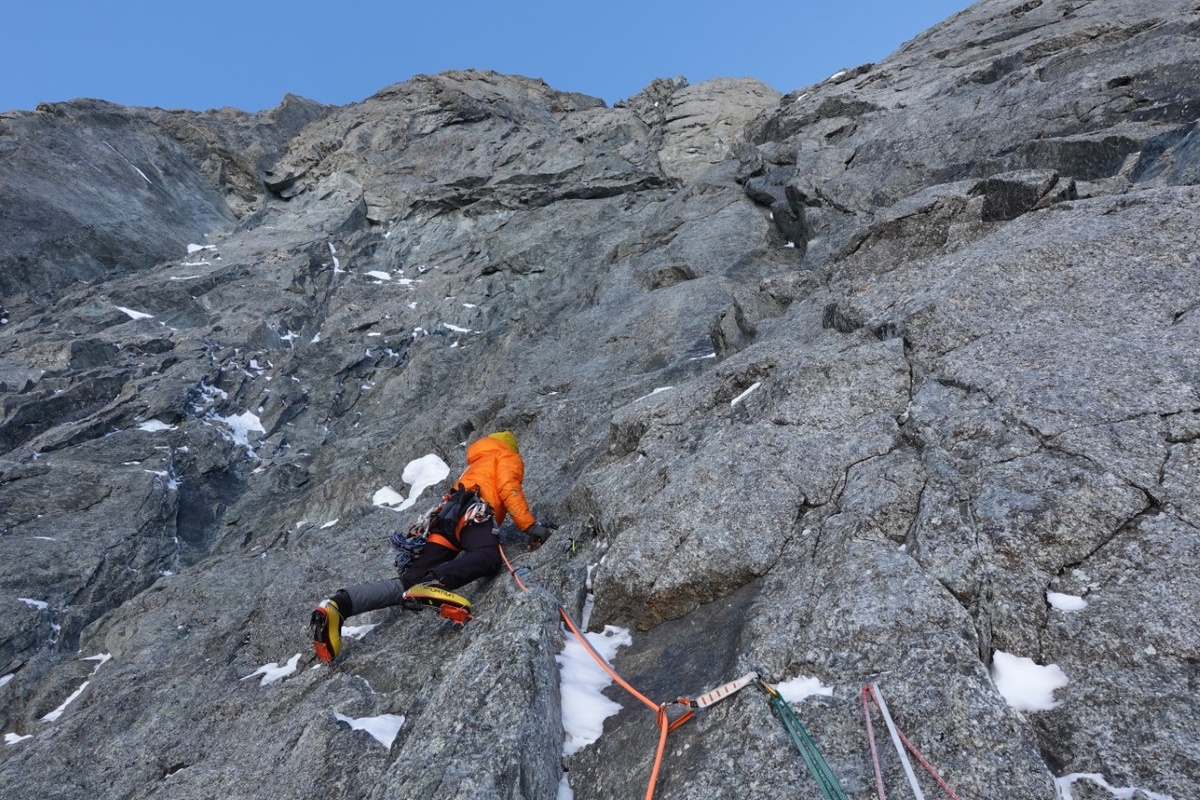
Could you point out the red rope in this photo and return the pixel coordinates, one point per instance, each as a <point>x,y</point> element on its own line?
<point>928,767</point>
<point>868,696</point>
<point>660,710</point>
<point>866,692</point>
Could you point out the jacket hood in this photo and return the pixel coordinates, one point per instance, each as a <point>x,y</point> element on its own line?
<point>507,439</point>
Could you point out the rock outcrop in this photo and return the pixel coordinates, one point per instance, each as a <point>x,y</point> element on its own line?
<point>856,384</point>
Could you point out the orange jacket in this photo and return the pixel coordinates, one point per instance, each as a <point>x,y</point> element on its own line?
<point>497,471</point>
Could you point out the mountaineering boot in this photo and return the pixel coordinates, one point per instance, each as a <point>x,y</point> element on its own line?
<point>431,594</point>
<point>326,624</point>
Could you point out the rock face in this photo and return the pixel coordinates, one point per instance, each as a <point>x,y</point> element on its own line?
<point>854,384</point>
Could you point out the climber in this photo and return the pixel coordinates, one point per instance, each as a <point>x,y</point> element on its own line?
<point>496,471</point>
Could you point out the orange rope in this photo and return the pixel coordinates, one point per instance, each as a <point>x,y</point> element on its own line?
<point>664,727</point>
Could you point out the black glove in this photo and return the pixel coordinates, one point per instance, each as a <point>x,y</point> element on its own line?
<point>537,533</point>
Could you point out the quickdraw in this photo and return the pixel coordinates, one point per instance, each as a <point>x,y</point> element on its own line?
<point>816,763</point>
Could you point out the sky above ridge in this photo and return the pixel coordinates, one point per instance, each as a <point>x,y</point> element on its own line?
<point>249,54</point>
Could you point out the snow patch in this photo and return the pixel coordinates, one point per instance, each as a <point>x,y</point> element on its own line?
<point>240,426</point>
<point>196,248</point>
<point>13,738</point>
<point>153,426</point>
<point>1066,602</point>
<point>330,524</point>
<point>357,631</point>
<point>58,712</point>
<point>274,672</point>
<point>1027,686</point>
<point>745,394</point>
<point>384,727</point>
<point>659,390</point>
<point>584,708</point>
<point>1063,785</point>
<point>134,314</point>
<point>387,496</point>
<point>420,474</point>
<point>800,687</point>
<point>380,274</point>
<point>40,605</point>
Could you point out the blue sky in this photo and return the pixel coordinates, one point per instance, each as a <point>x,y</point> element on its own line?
<point>248,54</point>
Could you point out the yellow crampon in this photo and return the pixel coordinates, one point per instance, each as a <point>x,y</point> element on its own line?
<point>453,607</point>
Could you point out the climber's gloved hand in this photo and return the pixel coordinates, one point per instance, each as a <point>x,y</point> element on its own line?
<point>537,533</point>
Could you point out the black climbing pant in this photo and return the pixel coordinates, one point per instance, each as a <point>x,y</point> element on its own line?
<point>479,558</point>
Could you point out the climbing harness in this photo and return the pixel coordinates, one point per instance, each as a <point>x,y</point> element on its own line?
<point>830,787</point>
<point>871,693</point>
<point>441,525</point>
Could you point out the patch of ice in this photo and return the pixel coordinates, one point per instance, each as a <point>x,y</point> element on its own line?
<point>1027,686</point>
<point>384,727</point>
<point>275,672</point>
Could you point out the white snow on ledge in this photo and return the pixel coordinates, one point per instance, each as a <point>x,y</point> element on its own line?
<point>384,728</point>
<point>800,687</point>
<point>1064,783</point>
<point>58,712</point>
<point>420,474</point>
<point>274,671</point>
<point>240,426</point>
<point>1026,686</point>
<point>584,707</point>
<point>134,314</point>
<point>1066,602</point>
<point>745,394</point>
